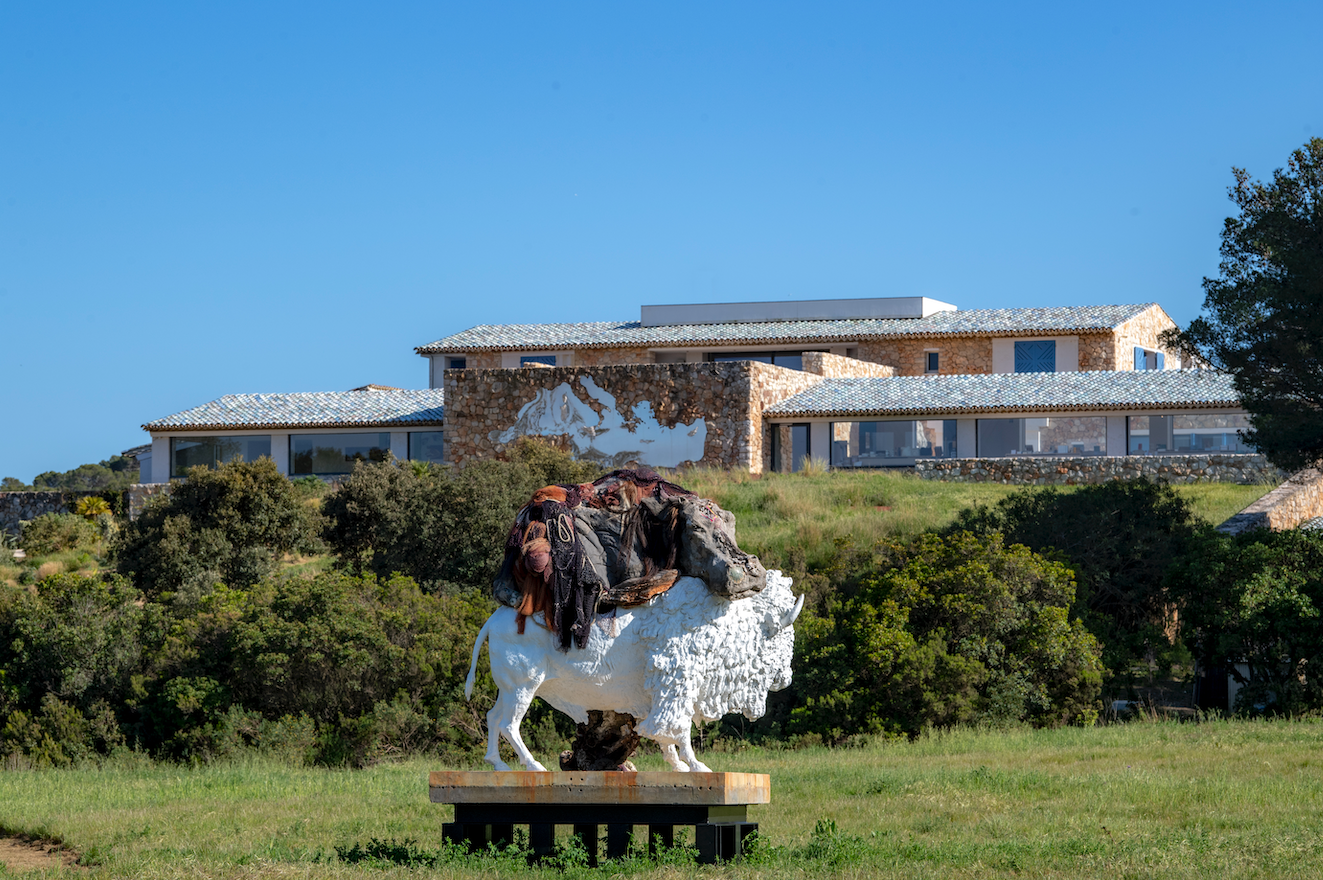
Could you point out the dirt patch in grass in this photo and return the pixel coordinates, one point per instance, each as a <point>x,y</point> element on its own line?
<point>17,854</point>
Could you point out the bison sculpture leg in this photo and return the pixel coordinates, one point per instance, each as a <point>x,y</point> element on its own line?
<point>505,718</point>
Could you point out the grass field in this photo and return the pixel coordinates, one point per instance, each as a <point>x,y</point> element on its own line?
<point>777,513</point>
<point>1222,799</point>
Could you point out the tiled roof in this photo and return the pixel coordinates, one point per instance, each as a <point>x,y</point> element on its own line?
<point>1011,392</point>
<point>370,408</point>
<point>617,334</point>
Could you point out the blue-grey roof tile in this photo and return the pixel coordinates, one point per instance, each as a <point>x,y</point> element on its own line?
<point>1011,392</point>
<point>368,407</point>
<point>616,334</point>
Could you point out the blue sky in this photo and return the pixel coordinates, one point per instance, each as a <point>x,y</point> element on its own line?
<point>201,199</point>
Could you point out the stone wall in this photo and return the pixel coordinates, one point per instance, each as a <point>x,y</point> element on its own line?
<point>1296,500</point>
<point>140,493</point>
<point>1097,351</point>
<point>482,360</point>
<point>908,356</point>
<point>481,405</point>
<point>18,507</point>
<point>769,385</point>
<point>1073,470</point>
<point>1142,330</point>
<point>833,366</point>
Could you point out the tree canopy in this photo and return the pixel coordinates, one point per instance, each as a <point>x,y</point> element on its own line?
<point>1263,320</point>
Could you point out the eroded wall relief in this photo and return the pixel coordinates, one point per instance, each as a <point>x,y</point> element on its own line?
<point>612,438</point>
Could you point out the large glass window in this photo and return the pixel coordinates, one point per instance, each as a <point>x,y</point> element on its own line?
<point>793,360</point>
<point>1054,435</point>
<point>890,444</point>
<point>1179,434</point>
<point>1036,356</point>
<point>187,452</point>
<point>335,453</point>
<point>548,360</point>
<point>426,446</point>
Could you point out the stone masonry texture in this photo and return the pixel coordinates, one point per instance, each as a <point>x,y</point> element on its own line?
<point>1075,470</point>
<point>19,507</point>
<point>1296,500</point>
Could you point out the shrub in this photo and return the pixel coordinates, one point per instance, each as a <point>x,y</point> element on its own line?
<point>58,532</point>
<point>436,525</point>
<point>1257,600</point>
<point>228,525</point>
<point>948,630</point>
<point>1119,538</point>
<point>375,666</point>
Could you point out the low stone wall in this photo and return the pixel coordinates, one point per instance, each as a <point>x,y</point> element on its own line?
<point>1299,499</point>
<point>140,493</point>
<point>1075,470</point>
<point>18,507</point>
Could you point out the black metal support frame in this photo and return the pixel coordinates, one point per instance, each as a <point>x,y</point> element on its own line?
<point>720,832</point>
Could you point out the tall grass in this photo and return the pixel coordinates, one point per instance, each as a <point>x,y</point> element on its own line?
<point>786,516</point>
<point>1217,799</point>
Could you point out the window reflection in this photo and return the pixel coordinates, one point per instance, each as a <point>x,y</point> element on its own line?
<point>1181,434</point>
<point>1054,435</point>
<point>426,446</point>
<point>325,454</point>
<point>187,452</point>
<point>891,443</point>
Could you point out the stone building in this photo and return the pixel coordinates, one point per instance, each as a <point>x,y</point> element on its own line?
<point>894,382</point>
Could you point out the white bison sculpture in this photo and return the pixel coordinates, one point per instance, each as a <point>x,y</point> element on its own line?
<point>686,656</point>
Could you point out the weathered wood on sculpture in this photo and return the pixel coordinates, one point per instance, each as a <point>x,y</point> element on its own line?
<point>599,788</point>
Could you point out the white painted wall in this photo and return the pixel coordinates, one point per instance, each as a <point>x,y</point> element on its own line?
<point>280,450</point>
<point>966,437</point>
<point>160,458</point>
<point>1116,437</point>
<point>1068,353</point>
<point>820,440</point>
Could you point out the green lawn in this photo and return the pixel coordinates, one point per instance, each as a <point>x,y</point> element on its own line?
<point>1220,799</point>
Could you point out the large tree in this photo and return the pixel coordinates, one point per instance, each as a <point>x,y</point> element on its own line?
<point>1263,320</point>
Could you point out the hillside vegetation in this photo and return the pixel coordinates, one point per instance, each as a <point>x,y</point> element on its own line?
<point>245,612</point>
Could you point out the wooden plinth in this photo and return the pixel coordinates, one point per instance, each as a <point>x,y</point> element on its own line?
<point>489,805</point>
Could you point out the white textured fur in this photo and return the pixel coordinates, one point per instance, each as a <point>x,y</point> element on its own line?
<point>686,656</point>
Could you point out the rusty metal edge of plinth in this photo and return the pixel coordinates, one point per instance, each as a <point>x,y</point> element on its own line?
<point>598,787</point>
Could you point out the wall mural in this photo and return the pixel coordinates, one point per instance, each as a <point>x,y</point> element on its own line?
<point>612,438</point>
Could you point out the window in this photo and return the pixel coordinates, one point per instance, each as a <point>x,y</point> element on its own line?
<point>1039,356</point>
<point>1056,435</point>
<point>790,447</point>
<point>891,444</point>
<point>930,361</point>
<point>548,359</point>
<point>426,446</point>
<point>1186,434</point>
<point>457,363</point>
<point>187,452</point>
<point>793,360</point>
<point>329,454</point>
<point>1149,360</point>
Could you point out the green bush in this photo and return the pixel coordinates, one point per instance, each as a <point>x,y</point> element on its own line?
<point>69,650</point>
<point>229,525</point>
<point>948,630</point>
<point>1119,538</point>
<point>58,532</point>
<point>376,667</point>
<point>1257,600</point>
<point>436,525</point>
